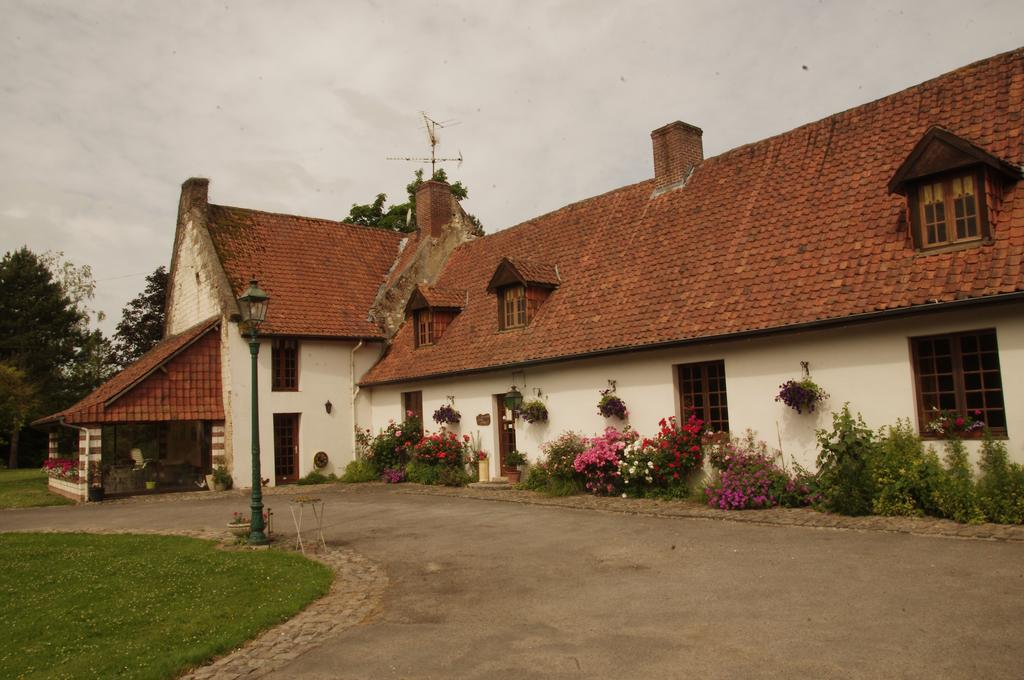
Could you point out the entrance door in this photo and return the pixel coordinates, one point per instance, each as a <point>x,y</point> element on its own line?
<point>506,432</point>
<point>286,448</point>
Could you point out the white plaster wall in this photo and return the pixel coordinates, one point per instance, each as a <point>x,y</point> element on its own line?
<point>325,373</point>
<point>193,298</point>
<point>867,365</point>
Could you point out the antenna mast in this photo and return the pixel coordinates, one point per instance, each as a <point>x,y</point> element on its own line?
<point>431,126</point>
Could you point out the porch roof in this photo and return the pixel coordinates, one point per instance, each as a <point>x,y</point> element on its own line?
<point>179,379</point>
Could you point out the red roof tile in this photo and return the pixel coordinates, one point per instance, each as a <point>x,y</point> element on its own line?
<point>179,379</point>
<point>321,275</point>
<point>795,229</point>
<point>441,298</point>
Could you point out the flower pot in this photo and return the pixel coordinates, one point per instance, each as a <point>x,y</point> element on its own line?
<point>96,494</point>
<point>150,486</point>
<point>241,530</point>
<point>210,484</point>
<point>513,476</point>
<point>485,470</point>
<point>220,486</point>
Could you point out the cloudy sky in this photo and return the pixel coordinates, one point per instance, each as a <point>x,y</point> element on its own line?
<point>294,106</point>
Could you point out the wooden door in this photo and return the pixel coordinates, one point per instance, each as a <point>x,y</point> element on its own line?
<point>412,402</point>
<point>506,432</point>
<point>286,448</point>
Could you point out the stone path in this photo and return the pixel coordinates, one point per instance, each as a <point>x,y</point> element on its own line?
<point>805,517</point>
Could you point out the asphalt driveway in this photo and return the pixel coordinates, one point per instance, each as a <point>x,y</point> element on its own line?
<point>484,589</point>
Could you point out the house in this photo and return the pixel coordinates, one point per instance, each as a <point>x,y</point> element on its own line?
<point>878,250</point>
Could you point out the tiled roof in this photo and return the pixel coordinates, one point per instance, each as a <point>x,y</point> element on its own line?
<point>321,275</point>
<point>795,229</point>
<point>535,272</point>
<point>179,379</point>
<point>442,298</point>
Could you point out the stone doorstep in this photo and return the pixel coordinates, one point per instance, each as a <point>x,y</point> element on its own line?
<point>496,484</point>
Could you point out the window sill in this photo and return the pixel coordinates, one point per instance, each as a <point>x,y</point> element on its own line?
<point>953,247</point>
<point>284,389</point>
<point>996,435</point>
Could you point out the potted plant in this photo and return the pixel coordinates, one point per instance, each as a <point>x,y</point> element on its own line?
<point>239,524</point>
<point>513,461</point>
<point>483,467</point>
<point>534,411</point>
<point>611,405</point>
<point>96,491</point>
<point>221,478</point>
<point>447,415</point>
<point>803,395</point>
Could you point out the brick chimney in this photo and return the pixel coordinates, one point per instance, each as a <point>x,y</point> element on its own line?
<point>433,207</point>
<point>677,150</point>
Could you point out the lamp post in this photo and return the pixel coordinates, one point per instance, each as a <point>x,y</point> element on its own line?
<point>253,305</point>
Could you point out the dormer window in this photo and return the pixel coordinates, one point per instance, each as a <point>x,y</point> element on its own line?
<point>512,301</point>
<point>949,211</point>
<point>948,182</point>
<point>424,319</point>
<point>431,311</point>
<point>521,286</point>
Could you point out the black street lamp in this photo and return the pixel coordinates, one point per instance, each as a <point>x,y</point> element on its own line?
<point>253,305</point>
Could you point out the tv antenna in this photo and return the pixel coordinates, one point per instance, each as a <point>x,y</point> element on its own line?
<point>431,126</point>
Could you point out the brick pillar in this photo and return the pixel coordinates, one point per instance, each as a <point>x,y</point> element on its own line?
<point>54,444</point>
<point>90,453</point>
<point>217,444</point>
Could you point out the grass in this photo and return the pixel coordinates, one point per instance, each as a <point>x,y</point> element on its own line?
<point>27,489</point>
<point>104,606</point>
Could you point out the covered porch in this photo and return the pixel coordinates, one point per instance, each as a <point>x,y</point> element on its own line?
<point>155,427</point>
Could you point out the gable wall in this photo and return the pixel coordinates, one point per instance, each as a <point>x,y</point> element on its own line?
<point>867,365</point>
<point>192,292</point>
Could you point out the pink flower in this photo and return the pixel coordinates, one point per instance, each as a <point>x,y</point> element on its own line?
<point>398,433</point>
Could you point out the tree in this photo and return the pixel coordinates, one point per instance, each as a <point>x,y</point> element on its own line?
<point>42,333</point>
<point>142,321</point>
<point>18,399</point>
<point>402,216</point>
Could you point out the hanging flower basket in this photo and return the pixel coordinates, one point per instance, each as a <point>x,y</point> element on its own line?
<point>447,415</point>
<point>803,395</point>
<point>611,406</point>
<point>534,411</point>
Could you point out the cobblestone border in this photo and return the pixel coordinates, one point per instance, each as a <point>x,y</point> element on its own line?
<point>356,596</point>
<point>803,517</point>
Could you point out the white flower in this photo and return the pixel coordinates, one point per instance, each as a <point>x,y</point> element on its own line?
<point>623,495</point>
<point>650,463</point>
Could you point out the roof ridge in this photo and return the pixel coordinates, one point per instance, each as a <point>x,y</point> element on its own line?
<point>1019,51</point>
<point>340,223</point>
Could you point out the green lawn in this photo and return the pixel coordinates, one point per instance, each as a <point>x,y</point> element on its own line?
<point>27,489</point>
<point>125,606</point>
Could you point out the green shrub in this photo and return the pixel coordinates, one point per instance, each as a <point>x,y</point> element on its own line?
<point>419,472</point>
<point>360,471</point>
<point>905,476</point>
<point>1000,489</point>
<point>537,478</point>
<point>315,477</point>
<point>956,497</point>
<point>450,475</point>
<point>844,474</point>
<point>563,486</point>
<point>392,447</point>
